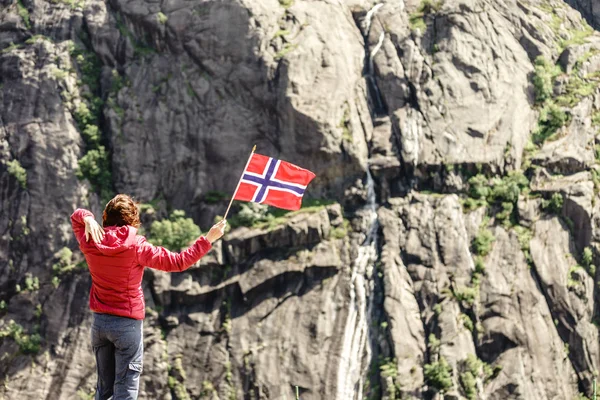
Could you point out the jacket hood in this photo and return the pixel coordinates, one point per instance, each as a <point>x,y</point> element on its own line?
<point>117,239</point>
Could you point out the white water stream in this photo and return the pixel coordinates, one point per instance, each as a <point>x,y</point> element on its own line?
<point>356,350</point>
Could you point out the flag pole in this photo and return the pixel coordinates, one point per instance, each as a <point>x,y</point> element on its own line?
<point>240,181</point>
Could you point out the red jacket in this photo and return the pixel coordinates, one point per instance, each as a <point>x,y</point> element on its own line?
<point>117,265</point>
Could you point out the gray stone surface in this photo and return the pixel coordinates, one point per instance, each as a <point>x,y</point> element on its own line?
<point>354,300</point>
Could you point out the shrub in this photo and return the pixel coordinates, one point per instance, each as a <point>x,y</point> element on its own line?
<point>28,344</point>
<point>469,384</point>
<point>18,172</point>
<point>466,295</point>
<point>161,18</point>
<point>439,375</point>
<point>479,187</point>
<point>509,187</point>
<point>249,214</point>
<point>433,343</point>
<point>554,205</point>
<point>174,233</point>
<point>552,118</point>
<point>214,197</point>
<point>95,167</point>
<point>482,243</point>
<point>543,78</point>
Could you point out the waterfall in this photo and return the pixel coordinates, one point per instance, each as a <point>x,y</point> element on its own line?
<point>356,350</point>
<point>374,93</point>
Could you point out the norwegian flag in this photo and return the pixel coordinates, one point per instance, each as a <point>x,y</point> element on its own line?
<point>270,181</point>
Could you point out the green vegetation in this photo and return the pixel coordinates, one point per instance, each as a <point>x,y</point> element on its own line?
<point>388,369</point>
<point>439,375</point>
<point>82,394</point>
<point>433,343</point>
<point>524,236</point>
<point>73,4</point>
<point>95,167</point>
<point>466,295</point>
<point>24,14</point>
<point>174,233</point>
<point>11,47</point>
<point>32,283</point>
<point>176,380</point>
<point>208,390</point>
<point>482,243</point>
<point>587,259</point>
<point>286,3</point>
<point>553,113</point>
<point>95,164</point>
<point>502,192</point>
<point>552,118</point>
<point>467,322</point>
<point>474,369</point>
<point>543,79</point>
<point>28,344</point>
<point>35,38</point>
<point>18,172</point>
<point>417,19</point>
<point>261,216</point>
<point>288,47</point>
<point>554,204</point>
<point>345,124</point>
<point>341,231</point>
<point>140,49</point>
<point>161,18</point>
<point>215,197</point>
<point>64,263</point>
<point>281,33</point>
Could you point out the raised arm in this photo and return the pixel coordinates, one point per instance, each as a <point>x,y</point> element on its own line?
<point>158,257</point>
<point>78,224</point>
<point>85,226</point>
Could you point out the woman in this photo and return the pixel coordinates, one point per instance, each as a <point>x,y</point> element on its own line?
<point>116,257</point>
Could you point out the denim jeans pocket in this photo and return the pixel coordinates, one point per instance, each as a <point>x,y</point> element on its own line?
<point>134,366</point>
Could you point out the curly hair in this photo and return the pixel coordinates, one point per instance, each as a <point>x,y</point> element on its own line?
<point>121,210</point>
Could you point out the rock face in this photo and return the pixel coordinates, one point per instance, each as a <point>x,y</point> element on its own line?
<point>456,144</point>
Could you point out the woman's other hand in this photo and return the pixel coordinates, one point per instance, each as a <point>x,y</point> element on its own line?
<point>93,230</point>
<point>216,231</point>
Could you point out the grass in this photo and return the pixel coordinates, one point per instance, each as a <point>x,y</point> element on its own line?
<point>287,48</point>
<point>417,19</point>
<point>24,14</point>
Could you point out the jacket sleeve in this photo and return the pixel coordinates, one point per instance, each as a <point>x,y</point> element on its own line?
<point>160,258</point>
<point>78,224</point>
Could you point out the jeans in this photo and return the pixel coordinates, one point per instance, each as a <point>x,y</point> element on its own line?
<point>119,348</point>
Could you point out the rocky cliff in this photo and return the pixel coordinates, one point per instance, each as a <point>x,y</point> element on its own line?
<point>451,255</point>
